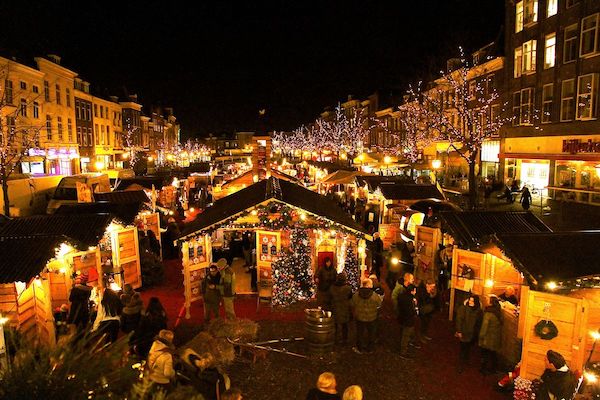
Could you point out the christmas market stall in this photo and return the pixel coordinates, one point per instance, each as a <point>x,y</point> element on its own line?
<point>561,312</point>
<point>295,230</point>
<point>37,269</point>
<point>477,266</point>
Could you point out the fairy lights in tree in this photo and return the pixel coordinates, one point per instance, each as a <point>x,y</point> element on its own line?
<point>352,269</point>
<point>459,110</point>
<point>414,133</point>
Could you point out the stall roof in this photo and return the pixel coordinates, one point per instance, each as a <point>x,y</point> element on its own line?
<point>472,228</point>
<point>339,177</point>
<point>122,197</point>
<point>374,181</point>
<point>248,176</point>
<point>83,229</point>
<point>412,191</point>
<point>25,257</point>
<point>553,256</point>
<point>124,212</point>
<point>276,189</point>
<point>144,181</point>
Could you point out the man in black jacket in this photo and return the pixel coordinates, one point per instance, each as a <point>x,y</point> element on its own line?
<point>557,379</point>
<point>407,316</point>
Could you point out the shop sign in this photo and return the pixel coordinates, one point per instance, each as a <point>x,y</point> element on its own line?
<point>36,152</point>
<point>574,146</point>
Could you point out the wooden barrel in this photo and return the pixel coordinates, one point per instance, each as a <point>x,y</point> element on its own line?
<point>320,330</point>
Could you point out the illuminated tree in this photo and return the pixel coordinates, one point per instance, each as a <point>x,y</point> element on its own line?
<point>459,111</point>
<point>18,135</point>
<point>292,271</point>
<point>352,269</point>
<point>414,134</point>
<point>132,148</point>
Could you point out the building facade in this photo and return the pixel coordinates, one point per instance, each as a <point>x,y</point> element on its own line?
<point>84,125</point>
<point>553,70</point>
<point>108,130</point>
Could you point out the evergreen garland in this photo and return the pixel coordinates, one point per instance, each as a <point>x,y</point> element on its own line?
<point>292,272</point>
<point>352,269</point>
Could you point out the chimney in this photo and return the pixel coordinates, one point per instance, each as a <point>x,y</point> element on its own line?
<point>54,58</point>
<point>133,97</point>
<point>114,99</point>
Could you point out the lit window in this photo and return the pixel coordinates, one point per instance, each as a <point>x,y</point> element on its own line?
<point>8,92</point>
<point>23,110</point>
<point>529,50</point>
<point>70,129</point>
<point>59,128</point>
<point>550,50</point>
<point>36,110</point>
<point>589,35</point>
<point>567,100</point>
<point>519,17</point>
<point>552,7</point>
<point>547,97</point>
<point>526,106</point>
<point>516,108</point>
<point>570,47</point>
<point>518,62</point>
<point>48,127</point>
<point>586,86</point>
<point>530,12</point>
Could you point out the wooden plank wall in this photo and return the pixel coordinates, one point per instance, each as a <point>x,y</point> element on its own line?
<point>8,303</point>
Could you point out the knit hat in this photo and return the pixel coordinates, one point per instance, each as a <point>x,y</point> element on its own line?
<point>556,359</point>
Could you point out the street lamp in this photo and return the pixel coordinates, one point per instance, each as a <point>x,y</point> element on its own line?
<point>387,160</point>
<point>436,165</point>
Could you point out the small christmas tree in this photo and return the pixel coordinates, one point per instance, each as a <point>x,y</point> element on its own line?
<point>292,272</point>
<point>352,269</point>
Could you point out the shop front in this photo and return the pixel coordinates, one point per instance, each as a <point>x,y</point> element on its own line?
<point>563,167</point>
<point>62,161</point>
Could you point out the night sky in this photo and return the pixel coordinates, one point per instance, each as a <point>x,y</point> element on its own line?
<point>219,62</point>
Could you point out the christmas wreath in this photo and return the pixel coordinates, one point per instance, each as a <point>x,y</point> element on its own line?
<point>546,330</point>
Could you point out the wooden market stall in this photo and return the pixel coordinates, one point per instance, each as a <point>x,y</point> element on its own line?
<point>269,208</point>
<point>478,266</point>
<point>563,312</point>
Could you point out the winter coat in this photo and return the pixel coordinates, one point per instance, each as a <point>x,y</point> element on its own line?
<point>227,284</point>
<point>79,313</point>
<point>366,304</point>
<point>398,290</point>
<point>340,302</point>
<point>468,320</point>
<point>427,303</point>
<point>407,309</point>
<point>490,334</point>
<point>326,277</point>
<point>316,394</point>
<point>211,296</point>
<point>160,362</point>
<point>145,332</point>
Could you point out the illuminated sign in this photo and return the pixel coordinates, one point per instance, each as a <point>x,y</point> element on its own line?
<point>574,146</point>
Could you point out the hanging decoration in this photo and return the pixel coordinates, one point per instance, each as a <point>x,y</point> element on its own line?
<point>546,329</point>
<point>292,271</point>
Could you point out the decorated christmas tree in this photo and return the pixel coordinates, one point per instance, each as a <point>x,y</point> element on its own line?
<point>292,272</point>
<point>352,269</point>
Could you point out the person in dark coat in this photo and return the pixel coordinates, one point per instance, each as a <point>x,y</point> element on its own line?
<point>108,317</point>
<point>525,198</point>
<point>407,317</point>
<point>204,375</point>
<point>324,278</point>
<point>509,295</point>
<point>211,293</point>
<point>468,321</point>
<point>154,243</point>
<point>326,388</point>
<point>490,336</point>
<point>132,309</point>
<point>341,293</point>
<point>79,312</point>
<point>377,255</point>
<point>557,380</point>
<point>429,302</point>
<point>153,320</point>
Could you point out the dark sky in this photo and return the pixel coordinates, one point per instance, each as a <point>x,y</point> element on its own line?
<point>218,62</point>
